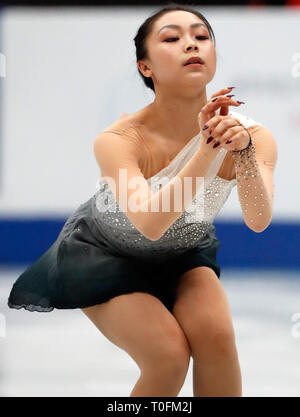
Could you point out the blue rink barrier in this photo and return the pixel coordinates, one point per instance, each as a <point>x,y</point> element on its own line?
<point>24,241</point>
<point>275,247</point>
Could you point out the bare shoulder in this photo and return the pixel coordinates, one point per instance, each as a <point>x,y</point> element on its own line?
<point>122,140</point>
<point>118,141</point>
<point>124,122</point>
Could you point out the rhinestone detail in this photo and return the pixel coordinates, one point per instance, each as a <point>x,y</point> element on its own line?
<point>247,170</point>
<point>185,233</point>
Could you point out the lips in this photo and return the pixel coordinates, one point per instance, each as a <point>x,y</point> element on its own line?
<point>194,60</point>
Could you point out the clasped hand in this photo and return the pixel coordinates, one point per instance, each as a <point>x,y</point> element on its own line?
<point>221,130</point>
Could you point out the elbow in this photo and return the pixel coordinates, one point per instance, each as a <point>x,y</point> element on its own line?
<point>150,233</point>
<point>144,226</point>
<point>148,236</point>
<point>258,228</point>
<point>259,225</point>
<point>155,238</point>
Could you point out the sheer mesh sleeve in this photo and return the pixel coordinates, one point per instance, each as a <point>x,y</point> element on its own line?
<point>254,167</point>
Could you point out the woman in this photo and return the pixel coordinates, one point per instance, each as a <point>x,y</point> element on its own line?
<point>148,278</point>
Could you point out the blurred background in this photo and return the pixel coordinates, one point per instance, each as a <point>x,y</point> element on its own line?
<point>67,71</point>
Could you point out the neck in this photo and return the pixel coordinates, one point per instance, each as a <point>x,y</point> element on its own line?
<point>176,117</point>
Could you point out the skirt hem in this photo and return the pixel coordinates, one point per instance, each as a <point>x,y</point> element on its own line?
<point>44,309</point>
<point>31,307</point>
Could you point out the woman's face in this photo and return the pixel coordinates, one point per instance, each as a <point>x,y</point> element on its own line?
<point>169,48</point>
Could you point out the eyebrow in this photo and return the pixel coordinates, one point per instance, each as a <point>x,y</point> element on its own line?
<point>179,27</point>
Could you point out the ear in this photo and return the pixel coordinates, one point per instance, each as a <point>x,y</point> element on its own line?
<point>144,69</point>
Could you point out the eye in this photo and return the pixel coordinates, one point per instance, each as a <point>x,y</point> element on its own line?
<point>172,39</point>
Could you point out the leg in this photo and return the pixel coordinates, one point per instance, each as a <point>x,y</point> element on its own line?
<point>203,312</point>
<point>140,324</point>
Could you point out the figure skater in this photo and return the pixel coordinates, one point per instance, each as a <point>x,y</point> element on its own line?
<point>147,278</point>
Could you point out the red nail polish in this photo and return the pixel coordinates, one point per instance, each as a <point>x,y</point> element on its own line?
<point>216,144</point>
<point>209,139</point>
<point>215,99</point>
<point>240,102</point>
<point>228,141</point>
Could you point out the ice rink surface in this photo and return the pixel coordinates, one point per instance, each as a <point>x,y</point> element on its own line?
<point>61,353</point>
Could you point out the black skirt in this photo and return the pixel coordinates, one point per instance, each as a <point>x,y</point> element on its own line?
<point>81,270</point>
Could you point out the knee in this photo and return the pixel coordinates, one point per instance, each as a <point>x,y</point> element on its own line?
<point>222,341</point>
<point>217,340</point>
<point>208,333</point>
<point>169,358</point>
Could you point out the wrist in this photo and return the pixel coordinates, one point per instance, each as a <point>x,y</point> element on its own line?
<point>250,143</point>
<point>246,153</point>
<point>245,161</point>
<point>206,155</point>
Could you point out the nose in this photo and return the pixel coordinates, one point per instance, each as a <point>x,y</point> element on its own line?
<point>191,45</point>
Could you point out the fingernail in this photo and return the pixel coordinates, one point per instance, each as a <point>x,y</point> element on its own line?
<point>230,95</point>
<point>215,99</point>
<point>228,141</point>
<point>216,144</point>
<point>230,88</point>
<point>240,102</point>
<point>209,139</point>
<point>205,127</point>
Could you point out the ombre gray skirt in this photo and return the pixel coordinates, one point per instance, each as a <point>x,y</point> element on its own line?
<point>81,269</point>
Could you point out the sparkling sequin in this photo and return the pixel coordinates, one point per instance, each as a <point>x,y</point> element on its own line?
<point>185,233</point>
<point>190,229</point>
<point>246,163</point>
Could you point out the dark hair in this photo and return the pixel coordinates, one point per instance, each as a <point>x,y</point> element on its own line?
<point>146,28</point>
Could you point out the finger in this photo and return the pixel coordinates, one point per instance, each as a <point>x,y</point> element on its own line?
<point>222,100</point>
<point>219,124</point>
<point>208,111</point>
<point>228,139</point>
<point>230,135</point>
<point>224,110</point>
<point>214,122</point>
<point>223,91</point>
<point>231,141</point>
<point>211,106</point>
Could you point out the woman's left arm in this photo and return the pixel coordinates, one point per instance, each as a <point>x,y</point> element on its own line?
<point>254,167</point>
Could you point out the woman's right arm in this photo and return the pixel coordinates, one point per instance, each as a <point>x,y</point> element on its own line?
<point>152,213</point>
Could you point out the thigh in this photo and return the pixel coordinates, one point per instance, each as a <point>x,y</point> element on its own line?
<point>140,324</point>
<point>202,309</point>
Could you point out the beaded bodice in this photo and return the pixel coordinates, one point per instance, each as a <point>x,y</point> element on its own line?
<point>194,227</point>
